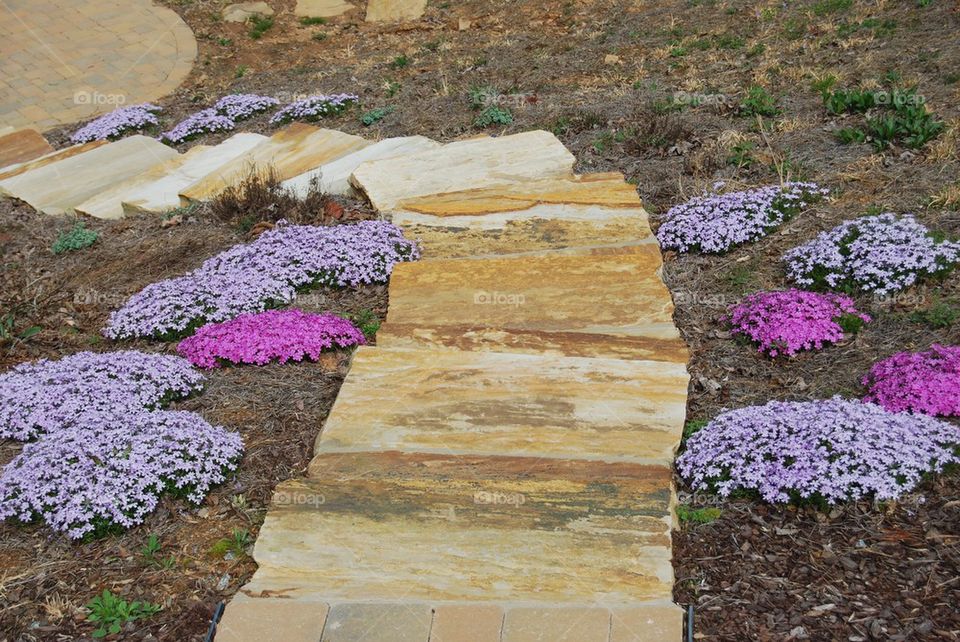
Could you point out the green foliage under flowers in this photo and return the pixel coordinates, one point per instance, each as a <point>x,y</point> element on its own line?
<point>375,115</point>
<point>76,239</point>
<point>110,613</point>
<point>688,514</point>
<point>368,322</point>
<point>940,315</point>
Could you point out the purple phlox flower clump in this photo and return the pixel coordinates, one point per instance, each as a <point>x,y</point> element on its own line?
<point>241,106</point>
<point>110,467</point>
<point>120,121</point>
<point>47,396</point>
<point>880,253</point>
<point>832,450</point>
<point>718,222</point>
<point>274,335</point>
<point>202,122</point>
<point>314,107</point>
<point>793,320</point>
<point>927,382</point>
<point>266,273</point>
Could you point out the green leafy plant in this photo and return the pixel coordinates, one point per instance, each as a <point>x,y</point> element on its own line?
<point>758,103</point>
<point>741,155</point>
<point>150,552</point>
<point>367,321</point>
<point>312,20</point>
<point>400,62</point>
<point>76,239</point>
<point>259,25</point>
<point>224,42</point>
<point>237,544</point>
<point>493,115</point>
<point>848,135</point>
<point>940,315</point>
<point>689,514</point>
<point>375,115</point>
<point>825,7</point>
<point>241,71</point>
<point>8,331</point>
<point>693,426</point>
<point>110,613</point>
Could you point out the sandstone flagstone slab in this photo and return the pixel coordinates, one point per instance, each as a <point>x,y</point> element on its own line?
<point>334,177</point>
<point>393,10</point>
<point>243,11</point>
<point>22,145</point>
<point>60,186</point>
<point>395,622</point>
<point>583,624</point>
<point>478,163</point>
<point>651,622</point>
<point>428,527</point>
<point>46,159</point>
<point>488,403</point>
<point>293,150</point>
<point>467,623</point>
<point>321,8</point>
<point>261,620</point>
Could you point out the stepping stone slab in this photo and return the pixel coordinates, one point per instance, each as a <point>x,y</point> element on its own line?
<point>571,624</point>
<point>466,623</point>
<point>157,189</point>
<point>428,527</point>
<point>245,10</point>
<point>60,186</point>
<point>334,177</point>
<point>469,164</point>
<point>394,10</point>
<point>259,620</point>
<point>607,302</point>
<point>652,622</point>
<point>488,403</point>
<point>46,159</point>
<point>394,622</point>
<point>321,8</point>
<point>22,145</point>
<point>292,151</point>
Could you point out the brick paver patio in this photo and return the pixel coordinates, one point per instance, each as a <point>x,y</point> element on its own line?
<point>66,60</point>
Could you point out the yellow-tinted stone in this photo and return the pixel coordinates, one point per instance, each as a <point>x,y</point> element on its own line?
<point>489,403</point>
<point>391,10</point>
<point>570,624</point>
<point>264,619</point>
<point>46,159</point>
<point>647,623</point>
<point>467,623</point>
<point>321,8</point>
<point>378,623</point>
<point>22,145</point>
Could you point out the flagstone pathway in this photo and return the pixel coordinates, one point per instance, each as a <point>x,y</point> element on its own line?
<point>67,60</point>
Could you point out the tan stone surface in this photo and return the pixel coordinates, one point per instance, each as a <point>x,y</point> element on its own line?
<point>478,163</point>
<point>293,150</point>
<point>393,10</point>
<point>569,624</point>
<point>467,623</point>
<point>243,11</point>
<point>378,622</point>
<point>322,8</point>
<point>263,620</point>
<point>62,185</point>
<point>488,403</point>
<point>21,146</point>
<point>647,623</point>
<point>46,159</point>
<point>431,527</point>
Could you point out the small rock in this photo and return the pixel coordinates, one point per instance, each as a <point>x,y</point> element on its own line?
<point>245,10</point>
<point>321,8</point>
<point>224,582</point>
<point>798,633</point>
<point>463,24</point>
<point>612,59</point>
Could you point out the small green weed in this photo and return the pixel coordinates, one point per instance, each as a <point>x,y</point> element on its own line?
<point>758,103</point>
<point>241,71</point>
<point>76,239</point>
<point>742,156</point>
<point>224,42</point>
<point>306,21</point>
<point>400,62</point>
<point>493,115</point>
<point>689,514</point>
<point>367,321</point>
<point>110,613</point>
<point>150,551</point>
<point>375,115</point>
<point>826,7</point>
<point>942,314</point>
<point>237,544</point>
<point>259,25</point>
<point>692,426</point>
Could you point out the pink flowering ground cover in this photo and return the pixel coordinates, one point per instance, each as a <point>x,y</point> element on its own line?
<point>926,382</point>
<point>274,335</point>
<point>787,322</point>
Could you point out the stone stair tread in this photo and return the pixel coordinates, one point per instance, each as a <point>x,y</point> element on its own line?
<point>394,10</point>
<point>291,151</point>
<point>46,159</point>
<point>489,403</point>
<point>322,8</point>
<point>60,186</point>
<point>468,164</point>
<point>424,526</point>
<point>22,145</point>
<point>334,177</point>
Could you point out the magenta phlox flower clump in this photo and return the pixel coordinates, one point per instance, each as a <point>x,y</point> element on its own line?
<point>266,273</point>
<point>46,396</point>
<point>242,106</point>
<point>784,323</point>
<point>830,450</point>
<point>927,382</point>
<point>202,122</point>
<point>124,120</point>
<point>274,335</point>
<point>717,222</point>
<point>314,108</point>
<point>109,468</point>
<point>880,254</point>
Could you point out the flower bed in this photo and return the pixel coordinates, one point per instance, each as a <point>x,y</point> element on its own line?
<point>202,122</point>
<point>266,273</point>
<point>926,382</point>
<point>274,335</point>
<point>314,108</point>
<point>718,222</point>
<point>242,106</point>
<point>881,254</point>
<point>794,320</point>
<point>120,121</point>
<point>46,396</point>
<point>828,450</point>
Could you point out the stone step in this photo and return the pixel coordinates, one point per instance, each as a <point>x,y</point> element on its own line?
<point>321,8</point>
<point>294,150</point>
<point>601,302</point>
<point>477,163</point>
<point>394,10</point>
<point>529,217</point>
<point>58,187</point>
<point>487,403</point>
<point>22,145</point>
<point>46,159</point>
<point>254,619</point>
<point>434,527</point>
<point>157,189</point>
<point>334,177</point>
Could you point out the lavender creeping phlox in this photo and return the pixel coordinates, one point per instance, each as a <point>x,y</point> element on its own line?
<point>833,450</point>
<point>717,222</point>
<point>133,118</point>
<point>242,106</point>
<point>202,122</point>
<point>927,382</point>
<point>314,108</point>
